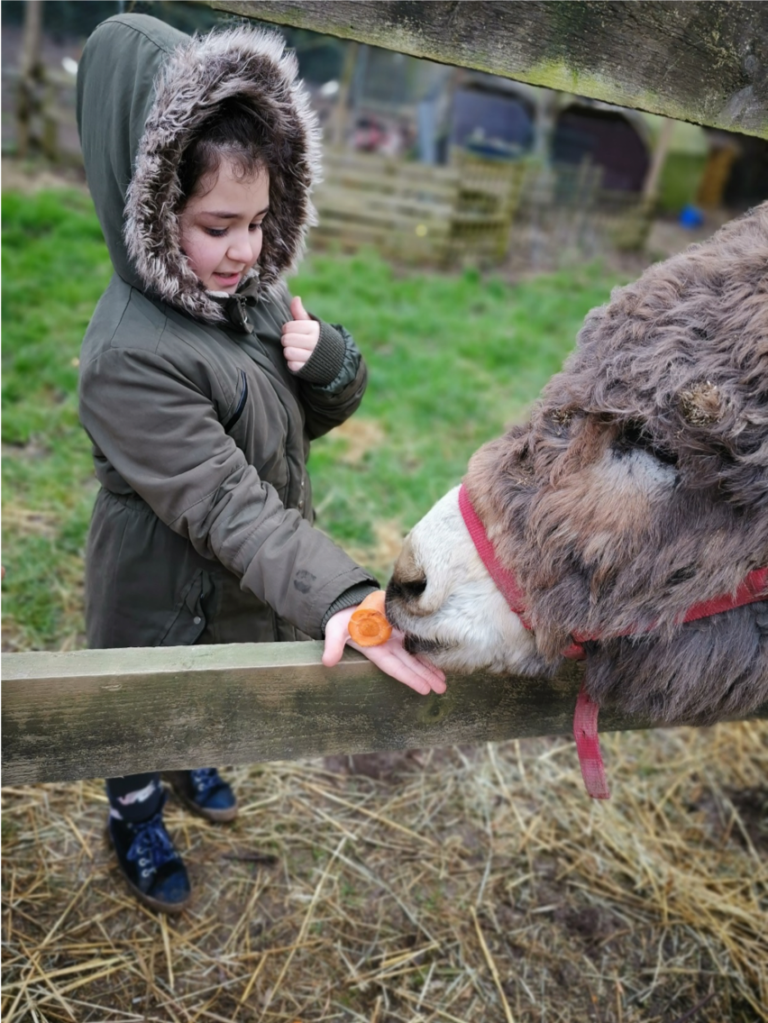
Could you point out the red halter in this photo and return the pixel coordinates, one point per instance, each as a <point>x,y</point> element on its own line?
<point>753,588</point>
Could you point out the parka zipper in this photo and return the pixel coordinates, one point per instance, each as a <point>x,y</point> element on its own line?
<point>240,403</point>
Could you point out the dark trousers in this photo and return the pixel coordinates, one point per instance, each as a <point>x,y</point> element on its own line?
<point>135,797</point>
<point>149,802</point>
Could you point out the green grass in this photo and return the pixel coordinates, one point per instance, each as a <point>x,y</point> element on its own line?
<point>452,359</point>
<point>55,266</point>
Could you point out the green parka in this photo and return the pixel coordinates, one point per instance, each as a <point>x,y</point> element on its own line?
<point>202,529</point>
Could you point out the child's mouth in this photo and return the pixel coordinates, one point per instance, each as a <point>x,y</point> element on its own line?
<point>227,280</point>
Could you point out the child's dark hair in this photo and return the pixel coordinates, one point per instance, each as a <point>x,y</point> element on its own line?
<point>235,131</point>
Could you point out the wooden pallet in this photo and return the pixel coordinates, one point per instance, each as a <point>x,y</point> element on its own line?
<point>489,196</point>
<point>403,209</point>
<point>416,211</point>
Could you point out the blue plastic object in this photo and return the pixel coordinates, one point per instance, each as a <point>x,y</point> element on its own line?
<point>691,217</point>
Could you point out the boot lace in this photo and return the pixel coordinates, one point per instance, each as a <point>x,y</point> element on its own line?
<point>152,848</point>
<point>204,781</point>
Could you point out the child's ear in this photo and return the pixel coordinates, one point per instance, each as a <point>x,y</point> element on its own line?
<point>298,312</point>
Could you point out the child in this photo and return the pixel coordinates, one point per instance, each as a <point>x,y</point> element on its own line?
<point>203,382</point>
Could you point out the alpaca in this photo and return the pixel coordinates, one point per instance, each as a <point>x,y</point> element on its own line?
<point>635,496</point>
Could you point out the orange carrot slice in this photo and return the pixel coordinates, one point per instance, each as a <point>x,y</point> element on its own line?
<point>368,625</point>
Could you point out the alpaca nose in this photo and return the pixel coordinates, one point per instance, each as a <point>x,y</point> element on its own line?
<point>406,589</point>
<point>409,580</point>
<point>406,567</point>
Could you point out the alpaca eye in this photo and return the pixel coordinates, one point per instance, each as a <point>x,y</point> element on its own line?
<point>634,437</point>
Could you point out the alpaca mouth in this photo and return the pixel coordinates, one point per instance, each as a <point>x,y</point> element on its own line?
<point>418,645</point>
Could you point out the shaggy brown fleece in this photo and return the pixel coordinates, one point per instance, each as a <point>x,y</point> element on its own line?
<point>639,487</point>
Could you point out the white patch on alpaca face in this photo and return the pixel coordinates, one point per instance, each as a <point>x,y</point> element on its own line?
<point>639,469</point>
<point>442,596</point>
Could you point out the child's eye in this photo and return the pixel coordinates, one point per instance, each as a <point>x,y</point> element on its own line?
<point>256,227</point>
<point>216,232</point>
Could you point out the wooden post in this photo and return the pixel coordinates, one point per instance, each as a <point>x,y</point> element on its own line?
<point>651,183</point>
<point>337,134</point>
<point>27,101</point>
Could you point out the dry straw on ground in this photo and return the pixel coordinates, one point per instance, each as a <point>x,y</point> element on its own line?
<point>455,885</point>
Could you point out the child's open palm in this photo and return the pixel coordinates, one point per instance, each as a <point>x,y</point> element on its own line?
<point>391,657</point>
<point>300,336</point>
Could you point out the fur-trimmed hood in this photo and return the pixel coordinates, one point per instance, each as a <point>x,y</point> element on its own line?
<point>143,89</point>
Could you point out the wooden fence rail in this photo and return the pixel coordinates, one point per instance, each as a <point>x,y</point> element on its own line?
<point>694,60</point>
<point>92,713</point>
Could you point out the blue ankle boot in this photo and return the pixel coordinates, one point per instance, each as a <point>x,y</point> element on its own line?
<point>204,791</point>
<point>151,866</point>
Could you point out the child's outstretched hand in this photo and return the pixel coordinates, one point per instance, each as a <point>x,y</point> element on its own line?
<point>391,657</point>
<point>300,336</point>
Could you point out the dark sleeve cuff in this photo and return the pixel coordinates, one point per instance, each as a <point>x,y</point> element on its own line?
<point>349,598</point>
<point>324,364</point>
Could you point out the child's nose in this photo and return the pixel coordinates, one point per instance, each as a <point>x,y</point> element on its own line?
<point>241,250</point>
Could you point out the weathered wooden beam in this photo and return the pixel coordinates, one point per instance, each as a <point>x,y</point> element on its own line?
<point>694,60</point>
<point>93,713</point>
<point>96,713</point>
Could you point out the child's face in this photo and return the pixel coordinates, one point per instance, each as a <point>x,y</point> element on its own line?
<point>221,228</point>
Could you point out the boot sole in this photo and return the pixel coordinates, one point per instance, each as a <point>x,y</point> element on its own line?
<point>170,908</point>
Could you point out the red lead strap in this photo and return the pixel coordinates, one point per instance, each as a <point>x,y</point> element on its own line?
<point>585,716</point>
<point>588,746</point>
<point>752,589</point>
<point>504,579</point>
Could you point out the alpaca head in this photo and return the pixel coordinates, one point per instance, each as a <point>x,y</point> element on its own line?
<point>445,601</point>
<point>441,594</point>
<point>637,488</point>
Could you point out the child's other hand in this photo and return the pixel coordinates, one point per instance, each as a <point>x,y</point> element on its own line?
<point>300,336</point>
<point>391,657</point>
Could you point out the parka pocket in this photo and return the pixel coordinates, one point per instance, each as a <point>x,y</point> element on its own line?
<point>192,613</point>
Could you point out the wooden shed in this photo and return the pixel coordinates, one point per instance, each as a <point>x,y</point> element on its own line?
<point>685,162</point>
<point>606,137</point>
<point>493,117</point>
